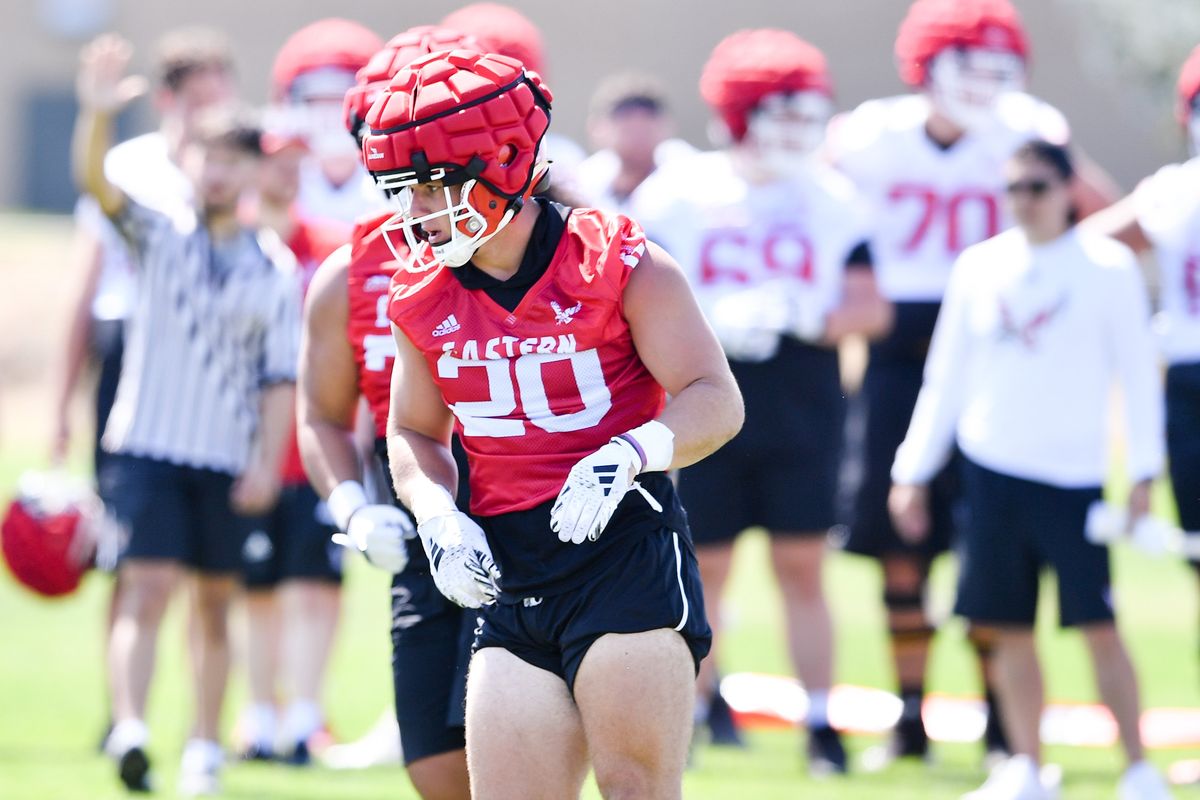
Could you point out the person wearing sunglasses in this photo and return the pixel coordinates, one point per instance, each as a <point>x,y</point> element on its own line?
<point>1037,324</point>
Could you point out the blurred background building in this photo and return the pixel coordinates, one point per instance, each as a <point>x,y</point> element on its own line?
<point>1108,64</point>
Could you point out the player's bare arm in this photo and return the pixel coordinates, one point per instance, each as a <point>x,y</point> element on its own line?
<point>87,258</point>
<point>1093,188</point>
<point>327,386</point>
<point>257,488</point>
<point>1120,221</point>
<point>863,311</point>
<point>680,350</point>
<point>103,89</point>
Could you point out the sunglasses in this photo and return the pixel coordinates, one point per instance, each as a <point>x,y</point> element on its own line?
<point>1034,188</point>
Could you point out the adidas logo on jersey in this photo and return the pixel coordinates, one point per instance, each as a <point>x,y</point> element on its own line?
<point>446,326</point>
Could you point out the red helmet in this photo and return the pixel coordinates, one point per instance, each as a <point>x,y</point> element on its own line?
<point>1189,85</point>
<point>473,121</point>
<point>327,43</point>
<point>48,535</point>
<point>399,51</point>
<point>933,25</point>
<point>502,30</point>
<point>749,65</point>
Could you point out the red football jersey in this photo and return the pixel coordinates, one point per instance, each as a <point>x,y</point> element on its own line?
<point>311,243</point>
<point>535,390</point>
<point>371,267</point>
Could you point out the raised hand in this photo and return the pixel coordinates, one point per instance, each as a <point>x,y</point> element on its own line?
<point>102,84</point>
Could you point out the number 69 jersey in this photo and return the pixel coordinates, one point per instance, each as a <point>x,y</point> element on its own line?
<point>536,389</point>
<point>929,203</point>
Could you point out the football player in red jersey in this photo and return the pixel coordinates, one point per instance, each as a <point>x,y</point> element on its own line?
<point>548,338</point>
<point>346,353</point>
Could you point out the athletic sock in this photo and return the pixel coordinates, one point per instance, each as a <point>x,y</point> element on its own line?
<point>818,709</point>
<point>261,720</point>
<point>302,720</point>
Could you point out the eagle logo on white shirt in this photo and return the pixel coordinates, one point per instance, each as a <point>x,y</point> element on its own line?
<point>1027,330</point>
<point>565,316</point>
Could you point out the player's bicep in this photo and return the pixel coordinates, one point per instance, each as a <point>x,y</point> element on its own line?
<point>1120,221</point>
<point>328,379</point>
<point>671,335</point>
<point>416,403</point>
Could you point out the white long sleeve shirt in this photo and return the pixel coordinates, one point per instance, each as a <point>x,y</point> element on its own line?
<point>1027,346</point>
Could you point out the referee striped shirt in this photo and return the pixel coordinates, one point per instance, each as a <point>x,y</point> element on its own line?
<point>213,324</point>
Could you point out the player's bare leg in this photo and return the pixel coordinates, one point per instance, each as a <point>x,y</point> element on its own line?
<point>211,598</point>
<point>797,560</point>
<point>1020,690</point>
<point>634,693</point>
<point>262,665</point>
<point>524,735</point>
<point>1117,684</point>
<point>309,610</point>
<point>441,777</point>
<point>145,592</point>
<point>715,561</point>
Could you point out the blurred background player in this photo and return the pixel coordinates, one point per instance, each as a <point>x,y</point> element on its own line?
<point>292,570</point>
<point>630,127</point>
<point>777,253</point>
<point>1036,325</point>
<point>1164,212</point>
<point>505,30</point>
<point>193,69</point>
<point>203,405</point>
<point>591,618</point>
<point>310,77</point>
<point>929,166</point>
<point>347,353</point>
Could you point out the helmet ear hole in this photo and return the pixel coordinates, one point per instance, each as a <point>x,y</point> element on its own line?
<point>506,154</point>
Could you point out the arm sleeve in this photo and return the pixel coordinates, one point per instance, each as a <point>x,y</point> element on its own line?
<point>931,433</point>
<point>1136,365</point>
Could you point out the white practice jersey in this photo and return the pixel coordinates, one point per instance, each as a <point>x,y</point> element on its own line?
<point>929,203</point>
<point>321,201</point>
<point>1168,211</point>
<point>594,177</point>
<point>729,234</point>
<point>141,168</point>
<point>1028,344</point>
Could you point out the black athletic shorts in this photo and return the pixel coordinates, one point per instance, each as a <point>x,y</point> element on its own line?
<point>781,470</point>
<point>649,581</point>
<point>1013,529</point>
<point>1183,441</point>
<point>292,541</point>
<point>176,513</point>
<point>889,394</point>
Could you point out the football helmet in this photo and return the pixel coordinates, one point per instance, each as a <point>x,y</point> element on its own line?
<point>383,66</point>
<point>1188,90</point>
<point>50,532</point>
<point>965,53</point>
<point>502,30</point>
<point>472,121</point>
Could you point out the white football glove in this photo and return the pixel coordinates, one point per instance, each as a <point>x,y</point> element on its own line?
<point>378,532</point>
<point>597,483</point>
<point>806,315</point>
<point>460,559</point>
<point>748,322</point>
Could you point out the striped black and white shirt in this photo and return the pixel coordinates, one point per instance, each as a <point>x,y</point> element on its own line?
<point>213,324</point>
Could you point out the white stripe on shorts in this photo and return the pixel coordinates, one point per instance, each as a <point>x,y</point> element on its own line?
<point>679,579</point>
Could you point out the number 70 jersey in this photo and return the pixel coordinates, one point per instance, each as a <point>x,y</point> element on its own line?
<point>538,388</point>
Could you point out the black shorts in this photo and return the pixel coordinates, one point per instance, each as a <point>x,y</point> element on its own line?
<point>1183,441</point>
<point>655,583</point>
<point>1013,528</point>
<point>889,394</point>
<point>292,542</point>
<point>175,513</point>
<point>431,647</point>
<point>781,470</point>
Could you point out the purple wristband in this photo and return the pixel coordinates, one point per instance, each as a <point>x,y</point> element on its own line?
<point>637,448</point>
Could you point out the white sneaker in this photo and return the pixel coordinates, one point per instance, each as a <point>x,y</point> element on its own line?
<point>1142,782</point>
<point>378,746</point>
<point>1015,779</point>
<point>200,769</point>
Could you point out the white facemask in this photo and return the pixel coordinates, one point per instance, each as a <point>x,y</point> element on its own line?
<point>965,85</point>
<point>418,254</point>
<point>786,130</point>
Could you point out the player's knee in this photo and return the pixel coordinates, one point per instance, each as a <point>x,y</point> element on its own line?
<point>906,617</point>
<point>1103,638</point>
<point>441,777</point>
<point>627,778</point>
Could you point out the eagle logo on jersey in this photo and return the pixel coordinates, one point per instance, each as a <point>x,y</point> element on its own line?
<point>1026,332</point>
<point>565,316</point>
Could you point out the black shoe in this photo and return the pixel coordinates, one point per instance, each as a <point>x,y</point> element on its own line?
<point>723,729</point>
<point>254,752</point>
<point>299,757</point>
<point>909,739</point>
<point>826,754</point>
<point>134,769</point>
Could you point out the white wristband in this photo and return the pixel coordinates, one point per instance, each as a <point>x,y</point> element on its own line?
<point>346,498</point>
<point>655,443</point>
<point>431,501</point>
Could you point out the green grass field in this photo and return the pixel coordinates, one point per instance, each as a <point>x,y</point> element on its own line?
<point>52,707</point>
